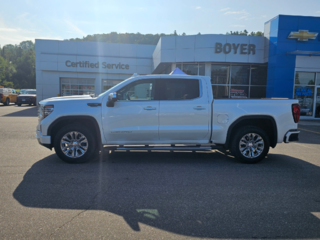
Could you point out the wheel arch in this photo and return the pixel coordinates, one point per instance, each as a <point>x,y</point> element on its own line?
<point>87,121</point>
<point>265,122</point>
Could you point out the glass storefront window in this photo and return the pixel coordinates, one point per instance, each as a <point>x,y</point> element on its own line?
<point>239,92</point>
<point>305,95</point>
<point>190,69</point>
<point>305,78</point>
<point>240,75</point>
<point>75,86</point>
<point>220,91</point>
<point>202,69</point>
<point>259,74</point>
<point>318,79</point>
<point>179,65</point>
<point>258,92</point>
<point>219,74</point>
<point>109,83</point>
<point>317,113</point>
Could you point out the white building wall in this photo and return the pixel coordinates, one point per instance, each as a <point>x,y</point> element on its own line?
<point>201,48</point>
<point>308,63</point>
<point>51,57</point>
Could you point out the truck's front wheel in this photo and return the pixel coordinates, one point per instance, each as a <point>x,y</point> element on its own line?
<point>75,144</point>
<point>250,144</point>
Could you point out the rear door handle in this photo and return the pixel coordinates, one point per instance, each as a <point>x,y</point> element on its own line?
<point>149,108</point>
<point>199,108</point>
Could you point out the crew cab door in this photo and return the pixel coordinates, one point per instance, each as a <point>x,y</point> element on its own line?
<point>134,117</point>
<point>184,114</point>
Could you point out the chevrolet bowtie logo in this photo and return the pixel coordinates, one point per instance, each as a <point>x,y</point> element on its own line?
<point>303,35</point>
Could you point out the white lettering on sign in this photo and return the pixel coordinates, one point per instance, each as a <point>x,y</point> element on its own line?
<point>87,64</point>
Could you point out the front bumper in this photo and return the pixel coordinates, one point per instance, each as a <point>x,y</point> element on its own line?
<point>26,101</point>
<point>44,140</point>
<point>291,136</point>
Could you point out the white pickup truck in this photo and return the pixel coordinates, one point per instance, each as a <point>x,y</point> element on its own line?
<point>165,112</point>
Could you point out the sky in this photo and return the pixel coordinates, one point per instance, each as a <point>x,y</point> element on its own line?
<point>22,20</point>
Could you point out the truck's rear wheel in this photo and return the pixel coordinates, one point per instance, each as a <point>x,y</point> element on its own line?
<point>75,144</point>
<point>250,144</point>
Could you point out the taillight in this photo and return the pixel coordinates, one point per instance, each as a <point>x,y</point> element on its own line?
<point>296,112</point>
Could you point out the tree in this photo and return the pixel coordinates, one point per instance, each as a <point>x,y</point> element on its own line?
<point>17,65</point>
<point>245,33</point>
<point>6,72</point>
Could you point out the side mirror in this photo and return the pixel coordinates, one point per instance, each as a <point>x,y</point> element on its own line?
<point>112,98</point>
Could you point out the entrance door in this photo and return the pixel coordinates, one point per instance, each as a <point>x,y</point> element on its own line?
<point>317,110</point>
<point>134,117</point>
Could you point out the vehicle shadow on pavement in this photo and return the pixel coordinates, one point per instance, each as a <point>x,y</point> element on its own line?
<point>193,194</point>
<point>24,112</point>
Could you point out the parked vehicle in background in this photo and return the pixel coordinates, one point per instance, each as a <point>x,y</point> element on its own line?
<point>305,111</point>
<point>176,110</point>
<point>8,95</point>
<point>22,91</point>
<point>28,97</point>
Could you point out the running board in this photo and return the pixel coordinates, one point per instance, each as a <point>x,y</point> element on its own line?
<point>172,148</point>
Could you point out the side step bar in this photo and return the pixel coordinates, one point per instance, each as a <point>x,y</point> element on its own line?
<point>171,148</point>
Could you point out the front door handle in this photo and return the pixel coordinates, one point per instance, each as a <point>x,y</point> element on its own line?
<point>199,108</point>
<point>149,108</point>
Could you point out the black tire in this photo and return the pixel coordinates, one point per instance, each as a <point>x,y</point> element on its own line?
<point>19,104</point>
<point>235,144</point>
<point>91,152</point>
<point>30,104</point>
<point>7,102</point>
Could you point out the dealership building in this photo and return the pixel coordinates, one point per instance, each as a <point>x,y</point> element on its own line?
<point>284,63</point>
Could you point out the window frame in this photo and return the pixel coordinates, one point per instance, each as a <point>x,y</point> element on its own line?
<point>196,63</point>
<point>156,94</point>
<point>161,87</point>
<point>314,86</point>
<point>230,85</point>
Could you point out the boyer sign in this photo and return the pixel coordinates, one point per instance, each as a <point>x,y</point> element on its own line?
<point>235,48</point>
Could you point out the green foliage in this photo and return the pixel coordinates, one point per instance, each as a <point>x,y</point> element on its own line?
<point>130,38</point>
<point>17,65</point>
<point>245,33</point>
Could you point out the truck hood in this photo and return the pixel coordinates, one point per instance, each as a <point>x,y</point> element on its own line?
<point>66,98</point>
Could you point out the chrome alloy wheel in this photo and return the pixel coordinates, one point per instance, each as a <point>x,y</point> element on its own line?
<point>251,145</point>
<point>74,144</point>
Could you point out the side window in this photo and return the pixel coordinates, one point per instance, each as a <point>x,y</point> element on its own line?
<point>140,90</point>
<point>179,89</point>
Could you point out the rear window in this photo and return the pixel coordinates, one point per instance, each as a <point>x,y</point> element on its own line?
<point>179,89</point>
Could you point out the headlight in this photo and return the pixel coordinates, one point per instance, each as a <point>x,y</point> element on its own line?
<point>47,110</point>
<point>44,111</point>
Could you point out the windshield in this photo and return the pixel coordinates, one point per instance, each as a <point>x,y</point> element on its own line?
<point>30,92</point>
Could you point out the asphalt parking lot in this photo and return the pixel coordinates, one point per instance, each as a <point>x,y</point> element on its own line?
<point>159,195</point>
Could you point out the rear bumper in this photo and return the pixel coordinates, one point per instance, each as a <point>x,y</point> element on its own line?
<point>44,140</point>
<point>291,136</point>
